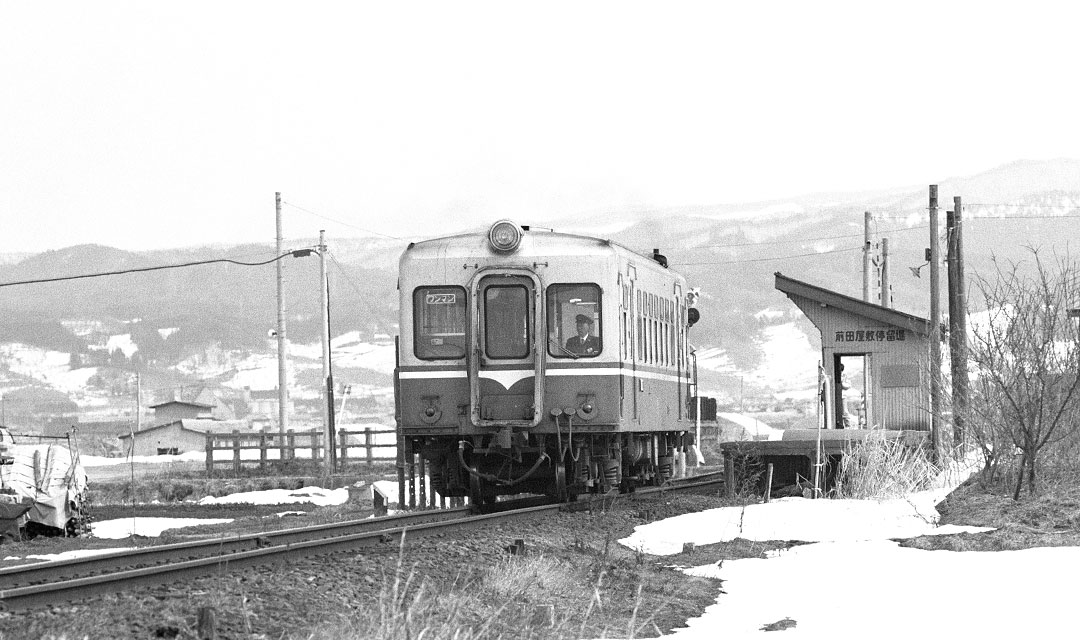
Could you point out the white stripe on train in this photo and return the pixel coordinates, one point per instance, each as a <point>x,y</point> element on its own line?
<point>514,375</point>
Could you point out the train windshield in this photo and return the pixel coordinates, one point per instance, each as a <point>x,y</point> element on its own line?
<point>507,309</point>
<point>439,324</point>
<point>574,326</point>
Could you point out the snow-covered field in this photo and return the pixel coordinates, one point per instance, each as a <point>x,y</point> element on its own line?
<point>788,366</point>
<point>256,371</point>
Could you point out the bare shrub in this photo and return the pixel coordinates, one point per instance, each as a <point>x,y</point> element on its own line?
<point>1026,354</point>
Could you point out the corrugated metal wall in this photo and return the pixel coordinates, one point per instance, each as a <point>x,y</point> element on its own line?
<point>898,362</point>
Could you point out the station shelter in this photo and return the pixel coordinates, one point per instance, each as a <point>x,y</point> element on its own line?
<point>876,380</point>
<point>876,359</point>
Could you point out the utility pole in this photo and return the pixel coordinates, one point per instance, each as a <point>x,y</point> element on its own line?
<point>935,327</point>
<point>328,380</point>
<point>866,258</point>
<point>282,344</point>
<point>957,319</point>
<point>138,402</point>
<point>886,286</point>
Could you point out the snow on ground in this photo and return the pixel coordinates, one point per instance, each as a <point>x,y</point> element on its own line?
<point>68,555</point>
<point>314,495</point>
<point>877,589</point>
<point>856,581</point>
<point>102,461</point>
<point>756,429</point>
<point>796,519</point>
<point>148,527</point>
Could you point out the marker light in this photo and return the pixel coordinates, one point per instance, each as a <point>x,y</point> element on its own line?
<point>505,236</point>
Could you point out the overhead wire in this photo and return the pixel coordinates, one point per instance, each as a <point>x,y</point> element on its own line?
<point>295,253</point>
<point>801,255</point>
<point>341,222</point>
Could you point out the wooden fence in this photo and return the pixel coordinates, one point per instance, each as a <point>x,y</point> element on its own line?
<point>311,441</point>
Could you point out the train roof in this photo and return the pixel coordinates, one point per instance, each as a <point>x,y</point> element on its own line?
<point>535,242</point>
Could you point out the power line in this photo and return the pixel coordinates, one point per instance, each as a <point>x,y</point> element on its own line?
<point>345,275</point>
<point>801,255</point>
<point>769,242</point>
<point>298,253</point>
<point>341,222</point>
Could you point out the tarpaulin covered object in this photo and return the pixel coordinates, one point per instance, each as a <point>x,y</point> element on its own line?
<point>51,476</point>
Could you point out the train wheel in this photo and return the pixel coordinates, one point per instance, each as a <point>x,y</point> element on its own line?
<point>560,481</point>
<point>481,492</point>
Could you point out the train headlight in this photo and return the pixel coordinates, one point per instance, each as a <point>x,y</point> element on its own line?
<point>505,236</point>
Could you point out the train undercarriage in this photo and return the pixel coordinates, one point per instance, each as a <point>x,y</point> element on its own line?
<point>483,467</point>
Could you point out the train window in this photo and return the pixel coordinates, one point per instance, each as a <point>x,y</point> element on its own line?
<point>574,320</point>
<point>439,323</point>
<point>506,321</point>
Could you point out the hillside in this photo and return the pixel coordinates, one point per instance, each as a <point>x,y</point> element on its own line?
<point>171,322</point>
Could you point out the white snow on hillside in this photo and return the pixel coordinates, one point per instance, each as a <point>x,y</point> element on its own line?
<point>49,367</point>
<point>350,351</point>
<point>788,366</point>
<point>259,371</point>
<point>123,343</point>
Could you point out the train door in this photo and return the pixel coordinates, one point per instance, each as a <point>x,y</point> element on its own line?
<point>506,377</point>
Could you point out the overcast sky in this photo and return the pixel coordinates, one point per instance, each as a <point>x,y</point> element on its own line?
<point>151,124</point>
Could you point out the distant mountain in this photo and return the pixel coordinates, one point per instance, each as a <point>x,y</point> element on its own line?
<point>730,251</point>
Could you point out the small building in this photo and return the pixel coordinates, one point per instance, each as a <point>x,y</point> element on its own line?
<point>197,403</point>
<point>263,402</point>
<point>178,436</point>
<point>876,378</point>
<point>877,358</point>
<point>175,410</point>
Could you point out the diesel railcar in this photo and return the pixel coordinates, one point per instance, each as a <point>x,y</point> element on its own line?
<point>531,361</point>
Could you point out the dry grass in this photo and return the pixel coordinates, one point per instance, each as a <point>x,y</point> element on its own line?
<point>520,598</point>
<point>881,467</point>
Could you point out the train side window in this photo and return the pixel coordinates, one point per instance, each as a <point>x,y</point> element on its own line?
<point>439,315</point>
<point>574,320</point>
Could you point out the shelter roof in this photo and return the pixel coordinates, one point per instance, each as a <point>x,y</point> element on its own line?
<point>825,297</point>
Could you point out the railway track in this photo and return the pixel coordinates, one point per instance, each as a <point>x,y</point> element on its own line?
<point>57,581</point>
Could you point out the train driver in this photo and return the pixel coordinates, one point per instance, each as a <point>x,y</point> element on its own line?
<point>584,343</point>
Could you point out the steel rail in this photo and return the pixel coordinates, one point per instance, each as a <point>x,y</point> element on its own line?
<point>52,570</point>
<point>52,582</point>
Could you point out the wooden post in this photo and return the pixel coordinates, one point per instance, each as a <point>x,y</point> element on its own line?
<point>209,452</point>
<point>236,451</point>
<point>207,625</point>
<point>886,280</point>
<point>343,442</point>
<point>292,444</point>
<point>729,474</point>
<point>935,327</point>
<point>768,483</point>
<point>957,320</point>
<point>866,260</point>
<point>262,451</point>
<point>369,442</point>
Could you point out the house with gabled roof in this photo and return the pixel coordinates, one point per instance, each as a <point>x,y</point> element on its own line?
<point>178,436</point>
<point>191,403</point>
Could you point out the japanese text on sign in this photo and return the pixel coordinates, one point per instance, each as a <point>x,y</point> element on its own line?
<point>872,335</point>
